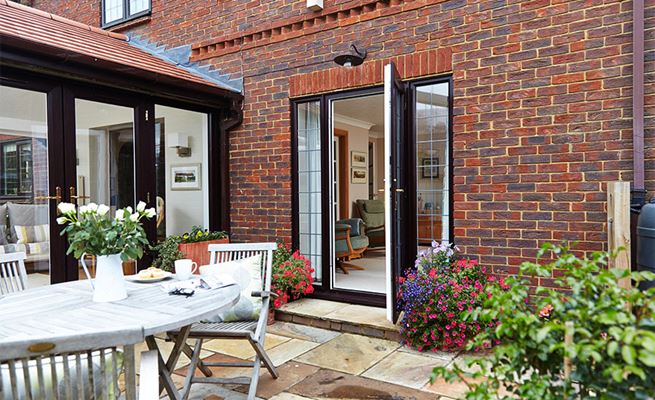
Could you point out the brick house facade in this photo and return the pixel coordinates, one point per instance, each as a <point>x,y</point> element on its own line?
<point>542,101</point>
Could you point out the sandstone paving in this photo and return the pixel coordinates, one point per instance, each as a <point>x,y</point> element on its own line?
<point>404,369</point>
<point>302,332</point>
<point>349,353</point>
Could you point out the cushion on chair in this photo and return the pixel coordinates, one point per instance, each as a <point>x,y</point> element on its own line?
<point>354,223</point>
<point>31,233</point>
<point>374,206</point>
<point>26,215</point>
<point>247,272</point>
<point>359,242</point>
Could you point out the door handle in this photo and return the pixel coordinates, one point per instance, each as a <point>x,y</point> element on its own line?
<point>73,196</point>
<point>400,190</point>
<point>56,197</point>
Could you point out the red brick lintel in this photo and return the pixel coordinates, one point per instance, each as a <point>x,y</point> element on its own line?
<point>424,63</point>
<point>344,14</point>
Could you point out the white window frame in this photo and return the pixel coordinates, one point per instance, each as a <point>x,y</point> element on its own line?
<point>127,16</point>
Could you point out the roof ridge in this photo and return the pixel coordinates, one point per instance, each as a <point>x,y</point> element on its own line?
<point>67,21</point>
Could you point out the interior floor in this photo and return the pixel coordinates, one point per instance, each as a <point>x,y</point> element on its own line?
<point>37,279</point>
<point>371,278</point>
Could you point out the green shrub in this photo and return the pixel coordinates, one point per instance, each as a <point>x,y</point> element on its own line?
<point>613,348</point>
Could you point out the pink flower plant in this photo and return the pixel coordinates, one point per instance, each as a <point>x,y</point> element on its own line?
<point>436,294</point>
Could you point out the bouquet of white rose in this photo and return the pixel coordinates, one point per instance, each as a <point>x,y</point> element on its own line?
<point>93,231</point>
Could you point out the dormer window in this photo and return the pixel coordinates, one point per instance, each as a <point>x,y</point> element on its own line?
<point>116,11</point>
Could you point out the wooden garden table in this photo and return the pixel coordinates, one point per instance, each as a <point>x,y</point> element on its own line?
<point>68,308</point>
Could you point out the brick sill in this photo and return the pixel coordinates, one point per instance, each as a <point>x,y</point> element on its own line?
<point>130,24</point>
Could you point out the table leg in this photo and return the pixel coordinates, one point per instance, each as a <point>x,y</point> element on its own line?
<point>166,368</point>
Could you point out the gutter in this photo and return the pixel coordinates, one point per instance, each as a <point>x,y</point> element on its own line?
<point>638,188</point>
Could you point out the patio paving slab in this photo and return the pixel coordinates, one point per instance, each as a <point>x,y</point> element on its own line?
<point>166,348</point>
<point>288,396</point>
<point>290,374</point>
<point>441,355</point>
<point>289,350</point>
<point>362,315</point>
<point>302,332</point>
<point>312,307</point>
<point>404,369</point>
<point>241,348</point>
<point>327,384</point>
<point>349,353</point>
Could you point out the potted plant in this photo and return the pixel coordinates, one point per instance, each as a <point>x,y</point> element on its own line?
<point>191,245</point>
<point>292,277</point>
<point>112,240</point>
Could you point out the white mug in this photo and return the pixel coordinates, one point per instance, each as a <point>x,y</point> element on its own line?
<point>185,268</point>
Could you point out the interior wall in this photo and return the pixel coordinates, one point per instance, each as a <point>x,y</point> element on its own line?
<point>185,208</point>
<point>357,141</point>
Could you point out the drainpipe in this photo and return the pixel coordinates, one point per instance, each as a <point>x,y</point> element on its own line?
<point>638,188</point>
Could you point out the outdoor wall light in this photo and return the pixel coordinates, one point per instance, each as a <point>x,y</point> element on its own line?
<point>315,5</point>
<point>351,60</point>
<point>181,143</point>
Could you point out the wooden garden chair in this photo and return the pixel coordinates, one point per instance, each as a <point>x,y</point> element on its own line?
<point>252,331</point>
<point>13,277</point>
<point>79,366</point>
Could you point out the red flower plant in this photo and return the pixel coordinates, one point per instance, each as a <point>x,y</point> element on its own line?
<point>292,275</point>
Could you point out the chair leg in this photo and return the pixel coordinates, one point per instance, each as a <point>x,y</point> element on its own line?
<point>254,380</point>
<point>261,354</point>
<point>188,380</point>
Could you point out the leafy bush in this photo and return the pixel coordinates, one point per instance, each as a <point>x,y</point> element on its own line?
<point>612,354</point>
<point>292,275</point>
<point>167,251</point>
<point>434,297</point>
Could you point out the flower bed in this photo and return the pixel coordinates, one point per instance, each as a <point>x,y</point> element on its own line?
<point>436,294</point>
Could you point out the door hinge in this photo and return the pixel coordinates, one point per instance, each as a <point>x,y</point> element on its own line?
<point>147,117</point>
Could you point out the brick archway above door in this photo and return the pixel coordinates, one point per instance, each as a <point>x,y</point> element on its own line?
<point>419,64</point>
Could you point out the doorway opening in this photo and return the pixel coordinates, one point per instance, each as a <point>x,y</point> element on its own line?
<point>359,210</point>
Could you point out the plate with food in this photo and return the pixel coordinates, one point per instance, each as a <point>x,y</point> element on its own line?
<point>151,274</point>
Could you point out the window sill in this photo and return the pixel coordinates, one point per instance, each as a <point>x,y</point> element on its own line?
<point>129,24</point>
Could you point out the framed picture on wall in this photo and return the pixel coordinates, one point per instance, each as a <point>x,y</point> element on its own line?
<point>186,177</point>
<point>359,175</point>
<point>358,159</point>
<point>430,167</point>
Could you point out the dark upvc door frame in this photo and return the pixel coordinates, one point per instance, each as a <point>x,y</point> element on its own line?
<point>53,91</point>
<point>61,94</point>
<point>323,291</point>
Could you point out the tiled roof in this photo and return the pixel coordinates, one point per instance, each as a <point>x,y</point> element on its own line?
<point>63,37</point>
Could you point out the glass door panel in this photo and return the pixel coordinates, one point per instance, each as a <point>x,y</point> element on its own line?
<point>105,173</point>
<point>432,163</point>
<point>24,181</point>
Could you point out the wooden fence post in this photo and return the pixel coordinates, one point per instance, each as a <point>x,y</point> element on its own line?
<point>618,226</point>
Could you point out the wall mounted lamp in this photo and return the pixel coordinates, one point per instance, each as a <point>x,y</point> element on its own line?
<point>180,142</point>
<point>351,60</point>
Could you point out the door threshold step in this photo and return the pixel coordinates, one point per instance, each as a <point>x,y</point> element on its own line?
<point>340,317</point>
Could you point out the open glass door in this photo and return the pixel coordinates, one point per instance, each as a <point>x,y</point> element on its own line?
<point>395,199</point>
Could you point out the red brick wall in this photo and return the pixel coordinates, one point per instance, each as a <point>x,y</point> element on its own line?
<point>542,103</point>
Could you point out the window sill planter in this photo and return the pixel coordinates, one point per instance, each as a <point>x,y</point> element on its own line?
<point>198,251</point>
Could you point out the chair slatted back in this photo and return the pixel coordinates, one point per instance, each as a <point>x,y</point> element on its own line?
<point>13,277</point>
<point>71,367</point>
<point>220,253</point>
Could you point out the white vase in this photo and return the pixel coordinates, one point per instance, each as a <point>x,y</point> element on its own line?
<point>109,284</point>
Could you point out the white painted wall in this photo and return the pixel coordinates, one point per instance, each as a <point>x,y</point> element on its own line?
<point>185,208</point>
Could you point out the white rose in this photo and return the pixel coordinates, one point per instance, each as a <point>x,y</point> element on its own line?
<point>134,217</point>
<point>129,209</point>
<point>62,220</point>
<point>120,215</point>
<point>151,212</point>
<point>92,207</point>
<point>66,208</point>
<point>141,206</point>
<point>84,209</point>
<point>103,209</point>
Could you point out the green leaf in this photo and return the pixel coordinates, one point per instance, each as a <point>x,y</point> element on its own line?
<point>629,354</point>
<point>542,333</point>
<point>647,358</point>
<point>612,347</point>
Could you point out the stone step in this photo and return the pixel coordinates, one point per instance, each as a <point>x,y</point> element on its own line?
<point>340,317</point>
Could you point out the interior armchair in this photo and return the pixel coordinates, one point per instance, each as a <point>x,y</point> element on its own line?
<point>350,242</point>
<point>372,212</point>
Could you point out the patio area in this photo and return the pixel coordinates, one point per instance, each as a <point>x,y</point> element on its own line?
<point>317,363</point>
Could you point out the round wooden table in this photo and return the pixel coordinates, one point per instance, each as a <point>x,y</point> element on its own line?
<point>68,308</point>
